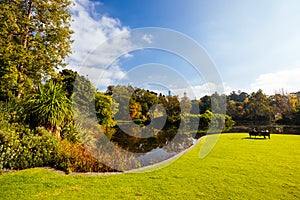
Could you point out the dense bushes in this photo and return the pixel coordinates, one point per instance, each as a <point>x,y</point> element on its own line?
<point>209,120</point>
<point>74,157</point>
<point>22,148</point>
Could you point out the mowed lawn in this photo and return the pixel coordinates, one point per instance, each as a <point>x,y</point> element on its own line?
<point>237,168</point>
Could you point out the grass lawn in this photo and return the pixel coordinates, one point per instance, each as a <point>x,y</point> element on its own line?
<point>237,168</point>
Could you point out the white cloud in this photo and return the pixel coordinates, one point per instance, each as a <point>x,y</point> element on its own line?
<point>91,31</point>
<point>271,82</point>
<point>198,91</point>
<point>147,38</point>
<point>102,78</point>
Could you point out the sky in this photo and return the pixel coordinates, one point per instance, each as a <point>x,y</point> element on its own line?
<point>252,44</point>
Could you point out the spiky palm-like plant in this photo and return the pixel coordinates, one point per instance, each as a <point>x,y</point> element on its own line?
<point>50,107</point>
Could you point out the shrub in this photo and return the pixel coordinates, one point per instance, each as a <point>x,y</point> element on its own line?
<point>11,111</point>
<point>74,157</point>
<point>71,132</point>
<point>22,148</point>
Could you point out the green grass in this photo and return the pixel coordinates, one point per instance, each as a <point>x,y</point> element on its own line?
<point>237,168</point>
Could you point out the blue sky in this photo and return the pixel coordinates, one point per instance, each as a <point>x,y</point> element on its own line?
<point>254,44</point>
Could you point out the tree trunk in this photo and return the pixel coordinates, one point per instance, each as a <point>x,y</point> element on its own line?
<point>25,45</point>
<point>57,131</point>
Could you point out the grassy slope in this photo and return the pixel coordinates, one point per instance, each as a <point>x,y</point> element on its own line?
<point>237,168</point>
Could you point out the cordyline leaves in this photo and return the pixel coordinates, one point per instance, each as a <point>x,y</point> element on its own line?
<point>49,106</point>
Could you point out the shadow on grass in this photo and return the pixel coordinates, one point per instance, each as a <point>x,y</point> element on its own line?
<point>254,138</point>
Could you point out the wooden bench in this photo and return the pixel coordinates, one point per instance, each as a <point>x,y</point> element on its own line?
<point>259,133</point>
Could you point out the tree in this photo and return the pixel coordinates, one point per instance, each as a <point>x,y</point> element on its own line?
<point>105,109</point>
<point>195,107</point>
<point>240,97</point>
<point>68,78</point>
<point>281,106</point>
<point>296,116</point>
<point>259,109</point>
<point>172,106</point>
<point>135,111</point>
<point>146,99</point>
<point>237,110</point>
<point>49,107</point>
<point>204,104</point>
<point>35,38</point>
<point>79,89</point>
<point>185,104</point>
<point>205,120</point>
<point>121,95</point>
<point>218,103</point>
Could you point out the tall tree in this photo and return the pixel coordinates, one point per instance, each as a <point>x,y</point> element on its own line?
<point>172,106</point>
<point>281,106</point>
<point>121,95</point>
<point>105,108</point>
<point>35,38</point>
<point>259,109</point>
<point>205,104</point>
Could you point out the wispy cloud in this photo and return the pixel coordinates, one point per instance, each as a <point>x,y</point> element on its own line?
<point>102,78</point>
<point>147,38</point>
<point>272,82</point>
<point>91,31</point>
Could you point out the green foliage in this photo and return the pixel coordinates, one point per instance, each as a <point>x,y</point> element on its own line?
<point>195,110</point>
<point>296,116</point>
<point>205,104</point>
<point>172,106</point>
<point>13,111</point>
<point>121,95</point>
<point>218,103</point>
<point>205,119</point>
<point>22,148</point>
<point>143,100</point>
<point>133,103</point>
<point>81,92</point>
<point>229,123</point>
<point>105,109</point>
<point>49,107</point>
<point>220,121</point>
<point>72,132</point>
<point>35,38</point>
<point>259,109</point>
<point>238,97</point>
<point>78,88</point>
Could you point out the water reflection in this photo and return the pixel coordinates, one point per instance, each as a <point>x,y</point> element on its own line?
<point>158,146</point>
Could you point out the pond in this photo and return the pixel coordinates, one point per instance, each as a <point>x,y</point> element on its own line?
<point>135,147</point>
